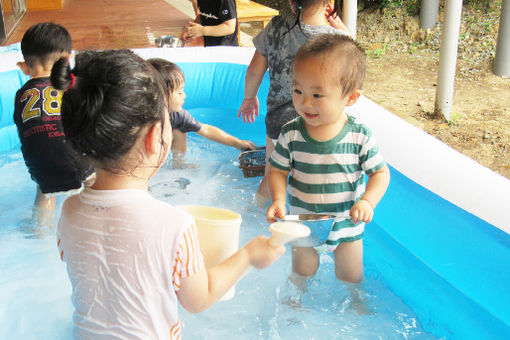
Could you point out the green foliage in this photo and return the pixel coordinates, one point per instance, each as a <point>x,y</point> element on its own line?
<point>454,118</point>
<point>378,52</point>
<point>412,6</point>
<point>483,5</point>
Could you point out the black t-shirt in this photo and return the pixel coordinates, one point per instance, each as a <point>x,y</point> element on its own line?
<point>215,12</point>
<point>184,121</point>
<point>50,159</point>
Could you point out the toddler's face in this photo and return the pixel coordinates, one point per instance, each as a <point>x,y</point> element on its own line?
<point>316,94</point>
<point>177,98</point>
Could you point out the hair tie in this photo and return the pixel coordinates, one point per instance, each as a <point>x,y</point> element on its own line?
<point>72,82</point>
<point>300,7</point>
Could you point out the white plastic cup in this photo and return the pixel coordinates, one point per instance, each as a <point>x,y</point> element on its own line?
<point>218,235</point>
<point>284,232</point>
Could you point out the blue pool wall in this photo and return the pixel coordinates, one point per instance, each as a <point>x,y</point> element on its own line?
<point>437,240</point>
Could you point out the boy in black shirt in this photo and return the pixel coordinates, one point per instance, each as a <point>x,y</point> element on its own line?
<point>216,22</point>
<point>51,162</point>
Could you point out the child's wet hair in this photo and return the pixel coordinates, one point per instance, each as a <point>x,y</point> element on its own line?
<point>110,97</point>
<point>171,73</point>
<point>343,57</point>
<point>45,41</point>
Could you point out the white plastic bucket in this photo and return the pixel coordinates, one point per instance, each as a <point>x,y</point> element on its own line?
<point>218,235</point>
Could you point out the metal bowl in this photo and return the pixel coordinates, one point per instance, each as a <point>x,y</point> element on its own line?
<point>168,41</point>
<point>319,224</point>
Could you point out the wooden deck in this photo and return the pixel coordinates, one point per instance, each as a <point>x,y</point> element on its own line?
<point>102,24</point>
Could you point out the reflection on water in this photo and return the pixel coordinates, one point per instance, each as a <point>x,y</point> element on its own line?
<point>35,290</point>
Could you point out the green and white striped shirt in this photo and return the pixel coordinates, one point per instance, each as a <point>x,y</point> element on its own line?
<point>326,177</point>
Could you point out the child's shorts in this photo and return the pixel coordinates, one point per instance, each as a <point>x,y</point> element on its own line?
<point>69,191</point>
<point>343,230</point>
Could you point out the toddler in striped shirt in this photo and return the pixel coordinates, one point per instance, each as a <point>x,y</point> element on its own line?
<point>324,155</point>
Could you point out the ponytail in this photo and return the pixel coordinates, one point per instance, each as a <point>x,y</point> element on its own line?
<point>114,96</point>
<point>61,74</point>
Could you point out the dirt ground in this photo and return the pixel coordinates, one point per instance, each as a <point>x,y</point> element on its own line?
<point>402,77</point>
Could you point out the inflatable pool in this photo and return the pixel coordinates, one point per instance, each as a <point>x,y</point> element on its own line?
<point>440,238</point>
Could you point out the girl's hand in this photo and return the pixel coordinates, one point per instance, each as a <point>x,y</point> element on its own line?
<point>361,212</point>
<point>328,10</point>
<point>249,109</point>
<point>245,145</point>
<point>261,253</point>
<point>334,20</point>
<point>276,210</point>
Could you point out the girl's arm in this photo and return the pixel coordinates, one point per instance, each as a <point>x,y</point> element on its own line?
<point>254,75</point>
<point>377,184</point>
<point>219,136</point>
<point>278,186</point>
<point>200,291</point>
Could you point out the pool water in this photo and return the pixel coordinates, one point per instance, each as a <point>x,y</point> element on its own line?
<point>35,291</point>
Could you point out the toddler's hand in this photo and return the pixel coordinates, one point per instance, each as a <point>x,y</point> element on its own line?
<point>245,145</point>
<point>361,212</point>
<point>262,254</point>
<point>249,109</point>
<point>276,210</point>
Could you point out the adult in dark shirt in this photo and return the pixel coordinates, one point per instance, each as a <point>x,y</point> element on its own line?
<point>216,22</point>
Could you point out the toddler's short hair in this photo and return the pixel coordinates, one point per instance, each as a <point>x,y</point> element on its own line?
<point>342,56</point>
<point>45,42</point>
<point>170,72</point>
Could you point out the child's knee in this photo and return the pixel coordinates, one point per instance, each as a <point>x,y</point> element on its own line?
<point>304,270</point>
<point>351,276</point>
<point>349,261</point>
<point>305,261</point>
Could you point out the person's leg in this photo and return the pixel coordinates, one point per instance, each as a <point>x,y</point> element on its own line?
<point>349,268</point>
<point>305,262</point>
<point>179,142</point>
<point>44,207</point>
<point>179,147</point>
<point>349,261</point>
<point>263,195</point>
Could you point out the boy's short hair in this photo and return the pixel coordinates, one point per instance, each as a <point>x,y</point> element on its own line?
<point>170,72</point>
<point>346,55</point>
<point>45,42</point>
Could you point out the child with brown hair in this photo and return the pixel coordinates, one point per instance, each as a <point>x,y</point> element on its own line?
<point>276,46</point>
<point>182,121</point>
<point>325,153</point>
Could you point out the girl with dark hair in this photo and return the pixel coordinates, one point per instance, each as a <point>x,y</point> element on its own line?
<point>275,47</point>
<point>130,257</point>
